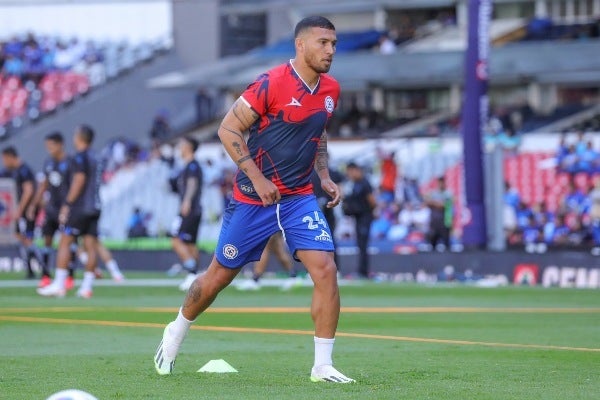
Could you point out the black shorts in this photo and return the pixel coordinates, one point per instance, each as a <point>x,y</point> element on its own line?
<point>25,227</point>
<point>82,225</point>
<point>51,224</point>
<point>186,228</point>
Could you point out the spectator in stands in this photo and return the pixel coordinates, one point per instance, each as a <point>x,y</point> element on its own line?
<point>138,224</point>
<point>511,195</point>
<point>13,66</point>
<point>161,130</point>
<point>531,234</point>
<point>562,151</point>
<point>407,191</point>
<point>589,158</point>
<point>594,196</point>
<point>33,62</point>
<point>569,162</point>
<point>359,203</point>
<point>560,234</point>
<point>441,204</point>
<point>386,45</point>
<point>13,47</point>
<point>204,106</point>
<point>523,212</point>
<point>573,200</point>
<point>389,174</point>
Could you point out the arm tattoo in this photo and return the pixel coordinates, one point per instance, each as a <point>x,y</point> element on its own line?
<point>244,119</point>
<point>238,148</point>
<point>321,162</point>
<point>241,160</point>
<point>233,131</point>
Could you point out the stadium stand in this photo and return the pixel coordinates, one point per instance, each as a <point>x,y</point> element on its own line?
<point>39,74</point>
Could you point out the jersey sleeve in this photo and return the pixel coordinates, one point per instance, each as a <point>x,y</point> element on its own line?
<point>80,164</point>
<point>26,175</point>
<point>257,95</point>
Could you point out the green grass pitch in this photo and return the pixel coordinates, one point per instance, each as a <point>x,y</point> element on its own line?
<point>404,346</point>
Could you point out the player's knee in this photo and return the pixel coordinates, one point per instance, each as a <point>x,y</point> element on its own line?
<point>325,271</point>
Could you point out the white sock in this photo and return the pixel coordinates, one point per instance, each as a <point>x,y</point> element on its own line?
<point>180,327</point>
<point>113,268</point>
<point>88,281</point>
<point>60,275</point>
<point>323,350</point>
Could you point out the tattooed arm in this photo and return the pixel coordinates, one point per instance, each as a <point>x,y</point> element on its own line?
<point>238,119</point>
<point>322,168</point>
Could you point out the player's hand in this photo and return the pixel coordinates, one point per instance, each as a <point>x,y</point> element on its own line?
<point>185,208</point>
<point>332,190</point>
<point>63,215</point>
<point>267,191</point>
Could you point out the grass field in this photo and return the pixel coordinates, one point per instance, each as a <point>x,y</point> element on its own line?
<point>397,341</point>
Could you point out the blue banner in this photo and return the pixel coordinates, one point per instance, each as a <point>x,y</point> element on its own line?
<point>474,118</point>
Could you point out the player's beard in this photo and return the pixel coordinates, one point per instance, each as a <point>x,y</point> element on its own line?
<point>318,65</point>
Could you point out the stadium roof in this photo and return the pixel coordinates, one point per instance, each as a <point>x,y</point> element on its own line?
<point>545,62</point>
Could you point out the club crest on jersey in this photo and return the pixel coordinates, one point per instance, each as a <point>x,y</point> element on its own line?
<point>329,104</point>
<point>230,251</point>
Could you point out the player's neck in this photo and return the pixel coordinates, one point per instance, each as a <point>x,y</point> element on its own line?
<point>307,74</point>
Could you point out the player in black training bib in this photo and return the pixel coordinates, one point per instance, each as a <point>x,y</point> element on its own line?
<point>188,185</point>
<point>79,213</point>
<point>51,194</point>
<point>25,222</point>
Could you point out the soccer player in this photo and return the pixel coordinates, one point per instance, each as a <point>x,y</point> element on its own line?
<point>26,185</point>
<point>50,195</point>
<point>185,228</point>
<point>79,213</point>
<point>286,111</point>
<point>276,245</point>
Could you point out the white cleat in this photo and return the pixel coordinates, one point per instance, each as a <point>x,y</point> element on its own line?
<point>187,282</point>
<point>248,285</point>
<point>326,373</point>
<point>52,290</point>
<point>164,360</point>
<point>118,277</point>
<point>84,294</point>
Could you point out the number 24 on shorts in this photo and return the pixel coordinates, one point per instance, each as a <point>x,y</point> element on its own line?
<point>313,223</point>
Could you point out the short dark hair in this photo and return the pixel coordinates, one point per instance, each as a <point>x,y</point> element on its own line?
<point>315,21</point>
<point>86,133</point>
<point>192,142</point>
<point>55,137</point>
<point>10,151</point>
<point>352,164</point>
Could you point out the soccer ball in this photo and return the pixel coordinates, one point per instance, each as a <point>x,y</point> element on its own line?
<point>71,394</point>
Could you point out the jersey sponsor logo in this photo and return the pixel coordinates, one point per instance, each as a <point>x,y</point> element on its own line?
<point>295,103</point>
<point>329,104</point>
<point>230,251</point>
<point>323,237</point>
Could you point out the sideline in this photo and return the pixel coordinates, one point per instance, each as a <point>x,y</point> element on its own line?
<point>293,332</point>
<point>303,310</point>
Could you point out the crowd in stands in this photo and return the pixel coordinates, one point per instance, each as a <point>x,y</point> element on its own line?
<point>40,73</point>
<point>574,220</point>
<point>578,156</point>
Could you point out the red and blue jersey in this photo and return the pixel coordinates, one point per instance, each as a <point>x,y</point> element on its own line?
<point>283,141</point>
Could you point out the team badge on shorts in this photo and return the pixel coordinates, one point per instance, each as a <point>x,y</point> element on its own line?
<point>329,104</point>
<point>230,251</point>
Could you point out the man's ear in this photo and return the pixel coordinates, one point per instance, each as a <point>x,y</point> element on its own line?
<point>299,42</point>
